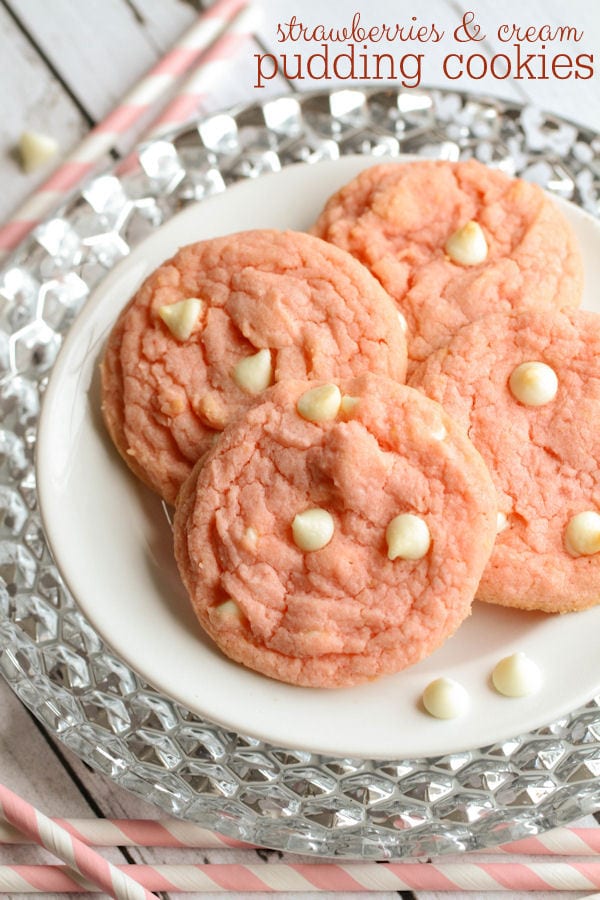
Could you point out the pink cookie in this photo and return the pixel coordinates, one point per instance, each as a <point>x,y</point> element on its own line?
<point>321,603</point>
<point>312,310</point>
<point>396,218</point>
<point>543,458</point>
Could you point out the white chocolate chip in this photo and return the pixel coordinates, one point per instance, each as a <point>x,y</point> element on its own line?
<point>533,383</point>
<point>251,537</point>
<point>348,404</point>
<point>320,404</point>
<point>439,433</point>
<point>403,322</point>
<point>228,612</point>
<point>254,373</point>
<point>36,150</point>
<point>501,522</point>
<point>468,245</point>
<point>180,318</point>
<point>407,537</point>
<point>312,529</point>
<point>445,698</point>
<point>517,676</point>
<point>582,535</point>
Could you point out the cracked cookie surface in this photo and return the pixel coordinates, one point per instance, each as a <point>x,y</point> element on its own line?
<point>543,458</point>
<point>397,218</point>
<point>318,313</point>
<point>344,609</point>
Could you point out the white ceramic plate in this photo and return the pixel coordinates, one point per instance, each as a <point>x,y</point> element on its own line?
<point>113,544</point>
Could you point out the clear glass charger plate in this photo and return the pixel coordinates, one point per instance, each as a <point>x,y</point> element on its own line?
<point>88,697</point>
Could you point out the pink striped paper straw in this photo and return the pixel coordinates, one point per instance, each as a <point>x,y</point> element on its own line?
<point>193,92</point>
<point>133,833</point>
<point>319,877</point>
<point>119,122</point>
<point>79,856</point>
<point>177,833</point>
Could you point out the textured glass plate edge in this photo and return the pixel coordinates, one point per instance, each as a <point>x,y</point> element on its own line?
<point>51,657</point>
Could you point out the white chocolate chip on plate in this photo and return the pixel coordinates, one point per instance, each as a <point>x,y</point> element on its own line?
<point>445,698</point>
<point>312,529</point>
<point>517,676</point>
<point>181,317</point>
<point>407,537</point>
<point>582,534</point>
<point>320,404</point>
<point>468,245</point>
<point>254,373</point>
<point>533,383</point>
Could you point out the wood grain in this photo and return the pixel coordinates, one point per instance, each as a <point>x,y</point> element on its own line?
<point>32,98</point>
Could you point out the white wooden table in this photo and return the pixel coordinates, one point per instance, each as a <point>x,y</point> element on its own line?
<point>64,64</point>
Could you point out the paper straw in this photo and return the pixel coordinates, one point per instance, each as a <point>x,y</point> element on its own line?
<point>79,856</point>
<point>120,121</point>
<point>193,92</point>
<point>133,833</point>
<point>320,877</point>
<point>181,834</point>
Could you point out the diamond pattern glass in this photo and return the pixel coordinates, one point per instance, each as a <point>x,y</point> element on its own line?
<point>52,658</point>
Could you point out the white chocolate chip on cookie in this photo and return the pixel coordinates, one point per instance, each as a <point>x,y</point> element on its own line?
<point>407,537</point>
<point>501,522</point>
<point>403,322</point>
<point>228,611</point>
<point>254,373</point>
<point>312,529</point>
<point>468,245</point>
<point>582,535</point>
<point>181,317</point>
<point>320,404</point>
<point>348,404</point>
<point>533,383</point>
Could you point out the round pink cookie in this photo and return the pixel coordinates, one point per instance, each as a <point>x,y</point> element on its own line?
<point>345,613</point>
<point>543,459</point>
<point>317,311</point>
<point>396,218</point>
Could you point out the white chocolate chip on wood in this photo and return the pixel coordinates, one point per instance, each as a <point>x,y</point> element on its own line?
<point>582,535</point>
<point>36,150</point>
<point>181,317</point>
<point>533,383</point>
<point>320,404</point>
<point>468,245</point>
<point>445,698</point>
<point>407,537</point>
<point>254,374</point>
<point>312,529</point>
<point>517,676</point>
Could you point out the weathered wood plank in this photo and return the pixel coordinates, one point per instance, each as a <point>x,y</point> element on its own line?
<point>163,21</point>
<point>31,99</point>
<point>97,48</point>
